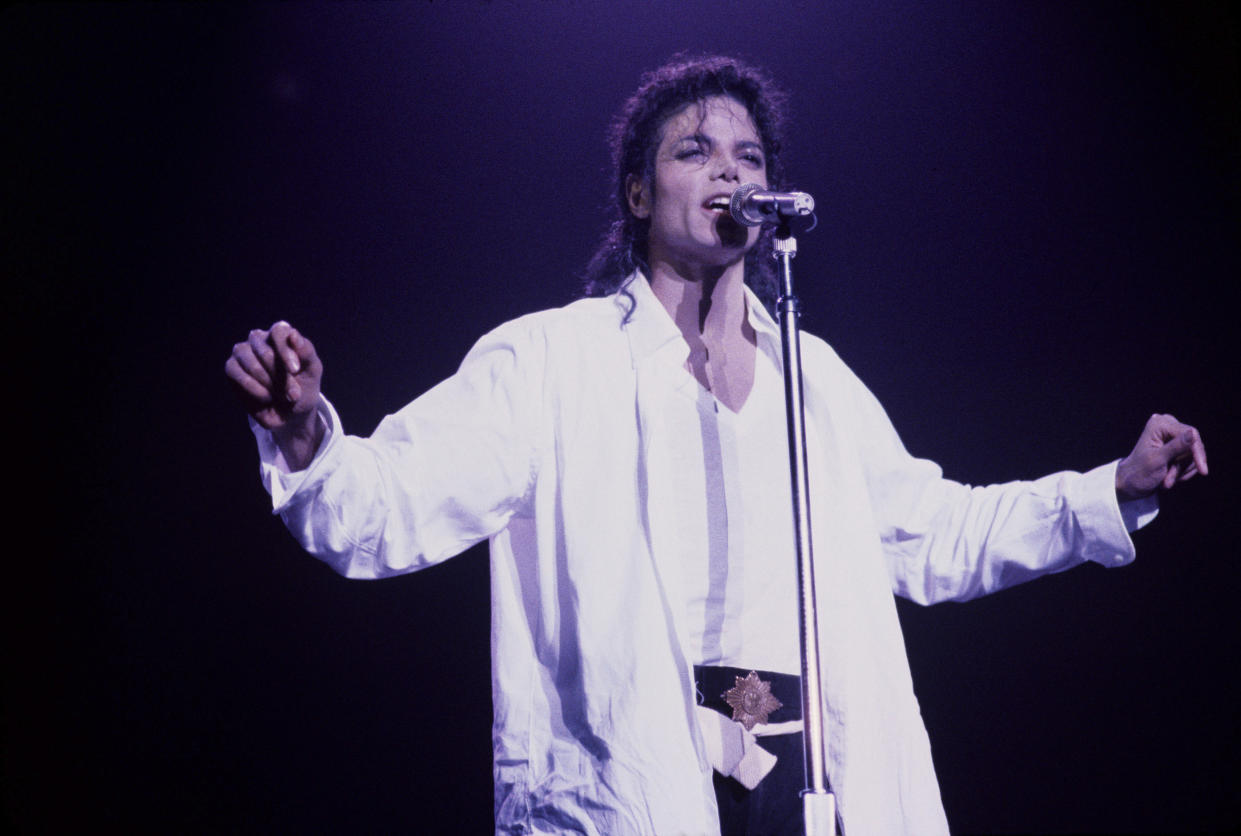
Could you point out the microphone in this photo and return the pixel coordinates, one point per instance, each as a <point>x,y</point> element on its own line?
<point>751,205</point>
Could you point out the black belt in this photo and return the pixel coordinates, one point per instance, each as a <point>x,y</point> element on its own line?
<point>716,683</point>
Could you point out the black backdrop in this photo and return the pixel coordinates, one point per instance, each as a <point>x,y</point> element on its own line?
<point>1027,243</point>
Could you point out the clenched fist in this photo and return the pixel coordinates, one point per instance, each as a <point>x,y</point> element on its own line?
<point>277,373</point>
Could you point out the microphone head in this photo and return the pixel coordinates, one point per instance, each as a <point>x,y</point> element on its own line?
<point>737,207</point>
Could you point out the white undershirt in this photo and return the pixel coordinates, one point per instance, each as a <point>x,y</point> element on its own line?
<point>735,525</point>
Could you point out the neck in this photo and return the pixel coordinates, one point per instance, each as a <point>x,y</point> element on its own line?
<point>705,302</point>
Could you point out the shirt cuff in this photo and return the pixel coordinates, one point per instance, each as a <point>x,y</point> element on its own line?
<point>274,471</point>
<point>1138,513</point>
<point>1097,511</point>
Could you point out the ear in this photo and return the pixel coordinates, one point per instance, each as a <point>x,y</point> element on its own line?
<point>639,196</point>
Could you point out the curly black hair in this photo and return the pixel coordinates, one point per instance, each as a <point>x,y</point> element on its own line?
<point>634,138</point>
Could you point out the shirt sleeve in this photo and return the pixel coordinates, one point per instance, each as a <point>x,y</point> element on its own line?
<point>445,472</point>
<point>945,540</point>
<point>1138,513</point>
<point>278,479</point>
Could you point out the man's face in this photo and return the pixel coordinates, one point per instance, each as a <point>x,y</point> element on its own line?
<point>705,151</point>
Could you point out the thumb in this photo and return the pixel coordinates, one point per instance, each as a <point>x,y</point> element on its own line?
<point>1172,452</point>
<point>1179,446</point>
<point>304,351</point>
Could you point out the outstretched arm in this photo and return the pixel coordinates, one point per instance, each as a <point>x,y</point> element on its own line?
<point>949,541</point>
<point>444,472</point>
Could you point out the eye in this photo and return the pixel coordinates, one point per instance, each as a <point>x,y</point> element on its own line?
<point>694,152</point>
<point>753,158</point>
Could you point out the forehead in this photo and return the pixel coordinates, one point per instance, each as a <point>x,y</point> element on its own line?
<point>721,118</point>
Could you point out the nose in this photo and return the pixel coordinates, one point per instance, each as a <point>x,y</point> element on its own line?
<point>727,168</point>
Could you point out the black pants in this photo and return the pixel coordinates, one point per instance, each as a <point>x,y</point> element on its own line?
<point>773,808</point>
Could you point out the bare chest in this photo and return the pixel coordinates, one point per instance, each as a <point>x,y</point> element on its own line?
<point>725,368</point>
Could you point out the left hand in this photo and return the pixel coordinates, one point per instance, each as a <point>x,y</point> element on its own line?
<point>1167,452</point>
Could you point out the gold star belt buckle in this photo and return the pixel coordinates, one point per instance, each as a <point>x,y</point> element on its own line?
<point>751,700</point>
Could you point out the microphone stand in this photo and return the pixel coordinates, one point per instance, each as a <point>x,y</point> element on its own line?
<point>818,803</point>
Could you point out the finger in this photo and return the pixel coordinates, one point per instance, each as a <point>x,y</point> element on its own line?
<point>304,347</point>
<point>281,332</point>
<point>1179,446</point>
<point>251,388</point>
<point>243,355</point>
<point>1188,442</point>
<point>280,338</point>
<point>268,418</point>
<point>1170,477</point>
<point>260,345</point>
<point>1164,428</point>
<point>1199,451</point>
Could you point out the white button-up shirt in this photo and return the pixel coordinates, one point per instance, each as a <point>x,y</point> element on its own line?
<point>550,441</point>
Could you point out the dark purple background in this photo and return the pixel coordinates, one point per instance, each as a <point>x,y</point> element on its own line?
<point>1028,241</point>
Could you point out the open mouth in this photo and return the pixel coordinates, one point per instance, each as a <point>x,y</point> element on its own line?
<point>718,204</point>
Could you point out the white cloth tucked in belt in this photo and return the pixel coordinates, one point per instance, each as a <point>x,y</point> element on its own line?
<point>735,752</point>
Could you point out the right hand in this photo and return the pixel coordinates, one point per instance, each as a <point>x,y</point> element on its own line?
<point>1167,452</point>
<point>277,373</point>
